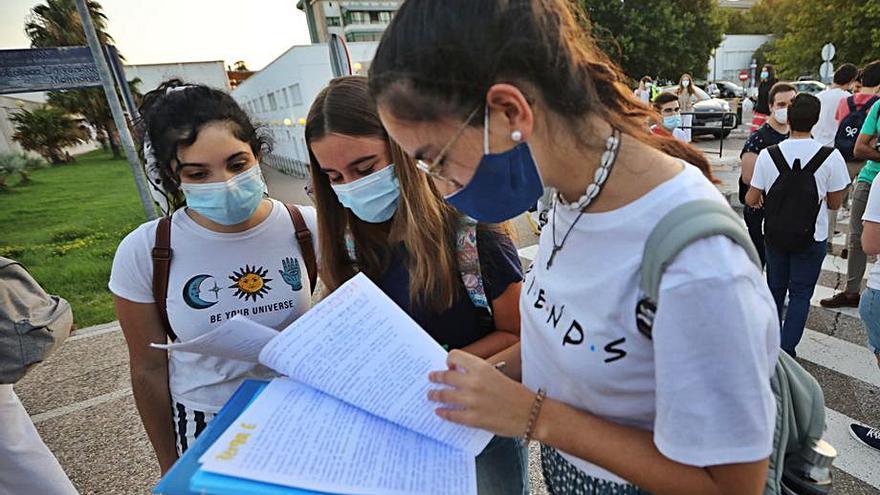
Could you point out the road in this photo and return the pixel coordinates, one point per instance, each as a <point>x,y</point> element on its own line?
<point>82,405</point>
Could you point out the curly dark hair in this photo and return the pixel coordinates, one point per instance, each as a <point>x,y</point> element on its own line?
<point>173,114</point>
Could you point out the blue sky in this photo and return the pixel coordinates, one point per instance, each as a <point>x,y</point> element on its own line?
<point>161,31</point>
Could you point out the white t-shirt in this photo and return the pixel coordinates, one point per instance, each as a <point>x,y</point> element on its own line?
<point>832,176</point>
<point>259,273</point>
<point>826,128</point>
<point>702,385</point>
<point>872,214</point>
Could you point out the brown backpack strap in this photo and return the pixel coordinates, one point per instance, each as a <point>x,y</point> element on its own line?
<point>304,238</point>
<point>162,270</point>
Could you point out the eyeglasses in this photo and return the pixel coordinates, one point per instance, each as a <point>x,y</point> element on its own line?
<point>433,168</point>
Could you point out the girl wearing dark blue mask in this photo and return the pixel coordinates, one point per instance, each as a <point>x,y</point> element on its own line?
<point>498,98</point>
<point>378,214</point>
<point>233,251</point>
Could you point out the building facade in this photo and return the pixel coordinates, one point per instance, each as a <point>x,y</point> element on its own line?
<point>734,55</point>
<point>352,20</point>
<point>279,96</point>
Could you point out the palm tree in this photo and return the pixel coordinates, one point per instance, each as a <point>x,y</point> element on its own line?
<point>47,131</point>
<point>57,23</point>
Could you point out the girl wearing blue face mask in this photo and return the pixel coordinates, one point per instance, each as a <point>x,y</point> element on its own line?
<point>378,214</point>
<point>500,98</point>
<point>232,251</point>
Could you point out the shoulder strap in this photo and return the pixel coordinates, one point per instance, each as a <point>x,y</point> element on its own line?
<point>851,103</point>
<point>868,104</point>
<point>304,238</point>
<point>469,263</point>
<point>161,271</point>
<point>678,229</point>
<point>818,159</point>
<point>778,159</point>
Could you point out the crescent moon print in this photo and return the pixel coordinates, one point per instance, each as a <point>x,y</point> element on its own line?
<point>192,291</point>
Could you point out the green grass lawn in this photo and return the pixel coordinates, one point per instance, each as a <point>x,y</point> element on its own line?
<point>65,225</point>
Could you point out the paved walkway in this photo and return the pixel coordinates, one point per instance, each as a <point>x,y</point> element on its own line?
<point>81,398</point>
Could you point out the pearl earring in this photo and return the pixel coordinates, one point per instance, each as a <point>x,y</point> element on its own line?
<point>516,136</point>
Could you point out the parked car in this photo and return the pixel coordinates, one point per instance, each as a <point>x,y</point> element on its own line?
<point>708,118</point>
<point>811,87</point>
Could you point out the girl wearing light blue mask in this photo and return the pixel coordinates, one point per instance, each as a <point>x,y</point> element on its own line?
<point>378,214</point>
<point>232,251</point>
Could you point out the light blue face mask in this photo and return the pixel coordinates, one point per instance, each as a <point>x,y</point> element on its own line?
<point>671,122</point>
<point>227,203</point>
<point>372,198</point>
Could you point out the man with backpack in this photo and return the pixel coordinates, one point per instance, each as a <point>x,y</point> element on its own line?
<point>774,131</point>
<point>796,182</point>
<point>858,124</point>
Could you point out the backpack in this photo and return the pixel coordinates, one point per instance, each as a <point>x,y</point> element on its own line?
<point>33,324</point>
<point>849,127</point>
<point>800,403</point>
<point>792,203</point>
<point>162,254</point>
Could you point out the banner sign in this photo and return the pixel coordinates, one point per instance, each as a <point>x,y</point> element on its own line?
<point>43,69</point>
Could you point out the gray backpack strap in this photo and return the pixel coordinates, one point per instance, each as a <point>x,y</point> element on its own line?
<point>680,227</point>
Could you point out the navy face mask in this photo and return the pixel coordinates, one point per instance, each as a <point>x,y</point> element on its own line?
<point>503,186</point>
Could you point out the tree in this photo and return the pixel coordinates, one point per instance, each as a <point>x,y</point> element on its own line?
<point>853,27</point>
<point>660,38</point>
<point>240,66</point>
<point>47,131</point>
<point>57,23</point>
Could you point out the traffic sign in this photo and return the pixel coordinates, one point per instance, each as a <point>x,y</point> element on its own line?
<point>828,52</point>
<point>826,71</point>
<point>743,76</point>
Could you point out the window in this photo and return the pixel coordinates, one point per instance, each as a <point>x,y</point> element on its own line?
<point>363,37</point>
<point>385,17</point>
<point>285,98</point>
<point>273,105</point>
<point>334,21</point>
<point>295,95</point>
<point>357,17</point>
<point>262,104</point>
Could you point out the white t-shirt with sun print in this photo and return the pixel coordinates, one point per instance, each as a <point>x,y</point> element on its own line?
<point>258,273</point>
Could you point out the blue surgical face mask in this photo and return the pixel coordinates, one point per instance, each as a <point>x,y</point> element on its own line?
<point>671,122</point>
<point>765,75</point>
<point>372,198</point>
<point>503,186</point>
<point>227,203</point>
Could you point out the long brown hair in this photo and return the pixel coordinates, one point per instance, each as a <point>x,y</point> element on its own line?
<point>423,221</point>
<point>690,89</point>
<point>438,58</point>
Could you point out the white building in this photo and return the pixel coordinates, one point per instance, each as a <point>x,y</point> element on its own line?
<point>734,55</point>
<point>211,73</point>
<point>279,96</point>
<point>352,20</point>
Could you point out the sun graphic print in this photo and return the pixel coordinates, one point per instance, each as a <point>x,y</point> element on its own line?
<point>250,282</point>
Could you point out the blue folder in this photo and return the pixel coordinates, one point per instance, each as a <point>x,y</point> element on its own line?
<point>186,476</point>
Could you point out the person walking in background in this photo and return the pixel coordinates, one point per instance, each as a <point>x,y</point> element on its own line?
<point>767,79</point>
<point>646,90</point>
<point>869,306</point>
<point>668,106</point>
<point>793,181</point>
<point>826,129</point>
<point>863,149</point>
<point>33,324</point>
<point>772,132</point>
<point>687,98</point>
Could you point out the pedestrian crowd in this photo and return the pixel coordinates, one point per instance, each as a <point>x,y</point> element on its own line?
<point>638,369</point>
